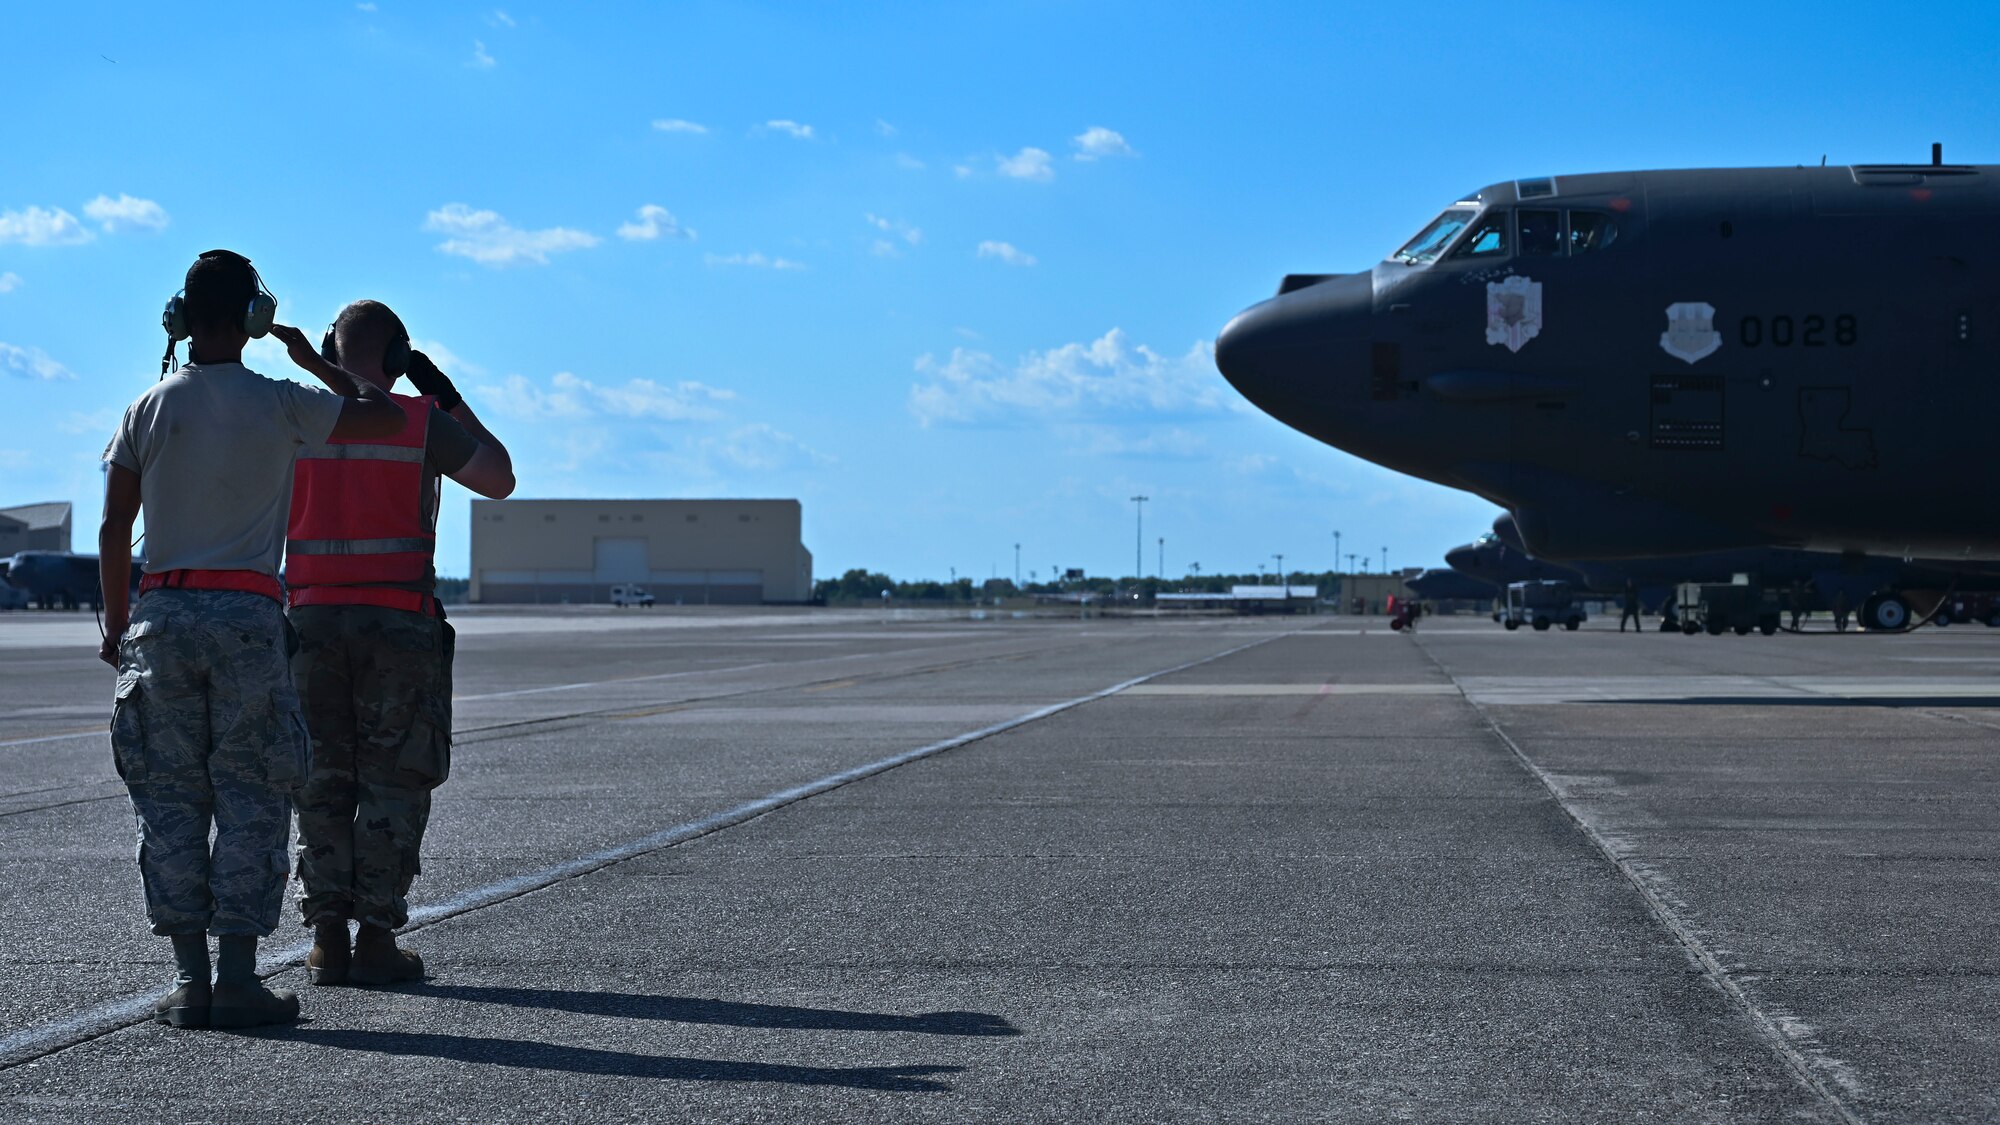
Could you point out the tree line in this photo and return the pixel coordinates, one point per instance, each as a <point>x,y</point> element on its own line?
<point>860,585</point>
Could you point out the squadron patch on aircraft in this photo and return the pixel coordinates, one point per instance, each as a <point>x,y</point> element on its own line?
<point>1513,312</point>
<point>1690,334</point>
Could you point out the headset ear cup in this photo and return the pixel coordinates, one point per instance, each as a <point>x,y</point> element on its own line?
<point>257,319</point>
<point>396,358</point>
<point>174,318</point>
<point>328,350</point>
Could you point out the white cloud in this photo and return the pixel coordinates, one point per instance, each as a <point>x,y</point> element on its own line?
<point>365,6</point>
<point>570,396</point>
<point>9,281</point>
<point>962,171</point>
<point>884,129</point>
<point>125,213</point>
<point>755,259</point>
<point>1097,440</point>
<point>654,222</point>
<point>761,447</point>
<point>896,227</point>
<point>36,226</point>
<point>883,248</point>
<point>790,129</point>
<point>1027,164</point>
<point>1098,141</point>
<point>501,19</point>
<point>486,238</point>
<point>909,163</point>
<point>1006,252</point>
<point>32,363</point>
<point>677,125</point>
<point>1108,376</point>
<point>480,59</point>
<point>94,422</point>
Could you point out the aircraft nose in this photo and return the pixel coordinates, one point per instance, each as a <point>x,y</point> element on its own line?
<point>1299,348</point>
<point>1462,557</point>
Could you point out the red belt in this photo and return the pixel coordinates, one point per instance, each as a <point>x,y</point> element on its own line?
<point>235,581</point>
<point>384,596</point>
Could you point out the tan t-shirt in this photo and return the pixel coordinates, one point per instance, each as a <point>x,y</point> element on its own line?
<point>213,445</point>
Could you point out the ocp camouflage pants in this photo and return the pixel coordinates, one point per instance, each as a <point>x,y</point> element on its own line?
<point>205,729</point>
<point>376,684</point>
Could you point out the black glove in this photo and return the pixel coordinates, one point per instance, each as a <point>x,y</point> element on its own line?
<point>425,376</point>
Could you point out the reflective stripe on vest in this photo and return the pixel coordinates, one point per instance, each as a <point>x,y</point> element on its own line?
<point>358,510</point>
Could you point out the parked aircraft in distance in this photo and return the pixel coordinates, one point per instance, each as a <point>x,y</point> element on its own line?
<point>60,580</point>
<point>1653,363</point>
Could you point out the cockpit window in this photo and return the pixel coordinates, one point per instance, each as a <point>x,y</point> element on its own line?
<point>1541,232</point>
<point>1431,241</point>
<point>1487,240</point>
<point>1590,230</point>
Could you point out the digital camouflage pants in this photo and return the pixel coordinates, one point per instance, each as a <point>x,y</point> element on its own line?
<point>206,731</point>
<point>376,684</point>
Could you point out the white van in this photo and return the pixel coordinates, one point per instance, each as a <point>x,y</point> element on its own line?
<point>626,595</point>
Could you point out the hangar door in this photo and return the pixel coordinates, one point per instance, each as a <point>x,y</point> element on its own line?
<point>620,560</point>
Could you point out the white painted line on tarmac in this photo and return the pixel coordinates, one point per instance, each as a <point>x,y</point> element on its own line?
<point>1788,1037</point>
<point>55,738</point>
<point>42,1039</point>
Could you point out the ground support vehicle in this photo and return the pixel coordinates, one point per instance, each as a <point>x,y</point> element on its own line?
<point>1540,605</point>
<point>1722,607</point>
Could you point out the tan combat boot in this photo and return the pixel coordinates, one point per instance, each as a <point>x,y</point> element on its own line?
<point>378,961</point>
<point>328,961</point>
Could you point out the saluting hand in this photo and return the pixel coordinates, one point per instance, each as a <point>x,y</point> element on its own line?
<point>425,376</point>
<point>298,347</point>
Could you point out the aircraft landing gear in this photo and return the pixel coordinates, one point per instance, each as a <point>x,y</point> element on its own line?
<point>1885,613</point>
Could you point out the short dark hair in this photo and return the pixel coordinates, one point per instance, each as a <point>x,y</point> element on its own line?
<point>367,327</point>
<point>219,289</point>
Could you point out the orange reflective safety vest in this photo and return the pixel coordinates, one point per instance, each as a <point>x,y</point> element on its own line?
<point>363,527</point>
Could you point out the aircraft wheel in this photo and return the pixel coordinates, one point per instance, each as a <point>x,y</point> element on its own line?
<point>1541,624</point>
<point>1768,626</point>
<point>1742,630</point>
<point>1669,625</point>
<point>1715,628</point>
<point>1572,624</point>
<point>1689,628</point>
<point>1885,613</point>
<point>1512,624</point>
<point>1993,622</point>
<point>1942,619</point>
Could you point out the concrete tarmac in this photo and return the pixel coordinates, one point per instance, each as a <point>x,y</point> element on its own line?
<point>832,865</point>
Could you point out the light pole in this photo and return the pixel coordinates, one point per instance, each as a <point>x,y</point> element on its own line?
<point>1260,574</point>
<point>1385,560</point>
<point>1139,536</point>
<point>1017,566</point>
<point>1160,571</point>
<point>1282,576</point>
<point>1336,548</point>
<point>1350,564</point>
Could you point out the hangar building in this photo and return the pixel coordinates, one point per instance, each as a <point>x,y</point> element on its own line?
<point>692,552</point>
<point>34,527</point>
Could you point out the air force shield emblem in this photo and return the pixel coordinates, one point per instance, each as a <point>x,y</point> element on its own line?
<point>1513,312</point>
<point>1690,333</point>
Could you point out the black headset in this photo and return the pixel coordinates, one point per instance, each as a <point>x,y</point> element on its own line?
<point>257,316</point>
<point>395,354</point>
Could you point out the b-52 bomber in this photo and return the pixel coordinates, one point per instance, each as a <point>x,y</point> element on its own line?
<point>1653,363</point>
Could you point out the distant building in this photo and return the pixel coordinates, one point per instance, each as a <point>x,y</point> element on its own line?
<point>690,552</point>
<point>34,527</point>
<point>1370,593</point>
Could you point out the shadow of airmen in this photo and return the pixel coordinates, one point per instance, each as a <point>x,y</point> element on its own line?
<point>690,1009</point>
<point>619,1064</point>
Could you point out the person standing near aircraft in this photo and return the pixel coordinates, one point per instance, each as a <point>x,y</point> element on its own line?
<point>1631,608</point>
<point>205,726</point>
<point>375,651</point>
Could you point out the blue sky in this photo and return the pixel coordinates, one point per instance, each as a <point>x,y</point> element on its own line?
<point>948,274</point>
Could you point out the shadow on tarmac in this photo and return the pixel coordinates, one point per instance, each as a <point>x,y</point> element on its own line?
<point>692,1009</point>
<point>1970,702</point>
<point>620,1064</point>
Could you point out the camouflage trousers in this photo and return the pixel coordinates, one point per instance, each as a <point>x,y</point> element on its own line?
<point>206,731</point>
<point>376,684</point>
